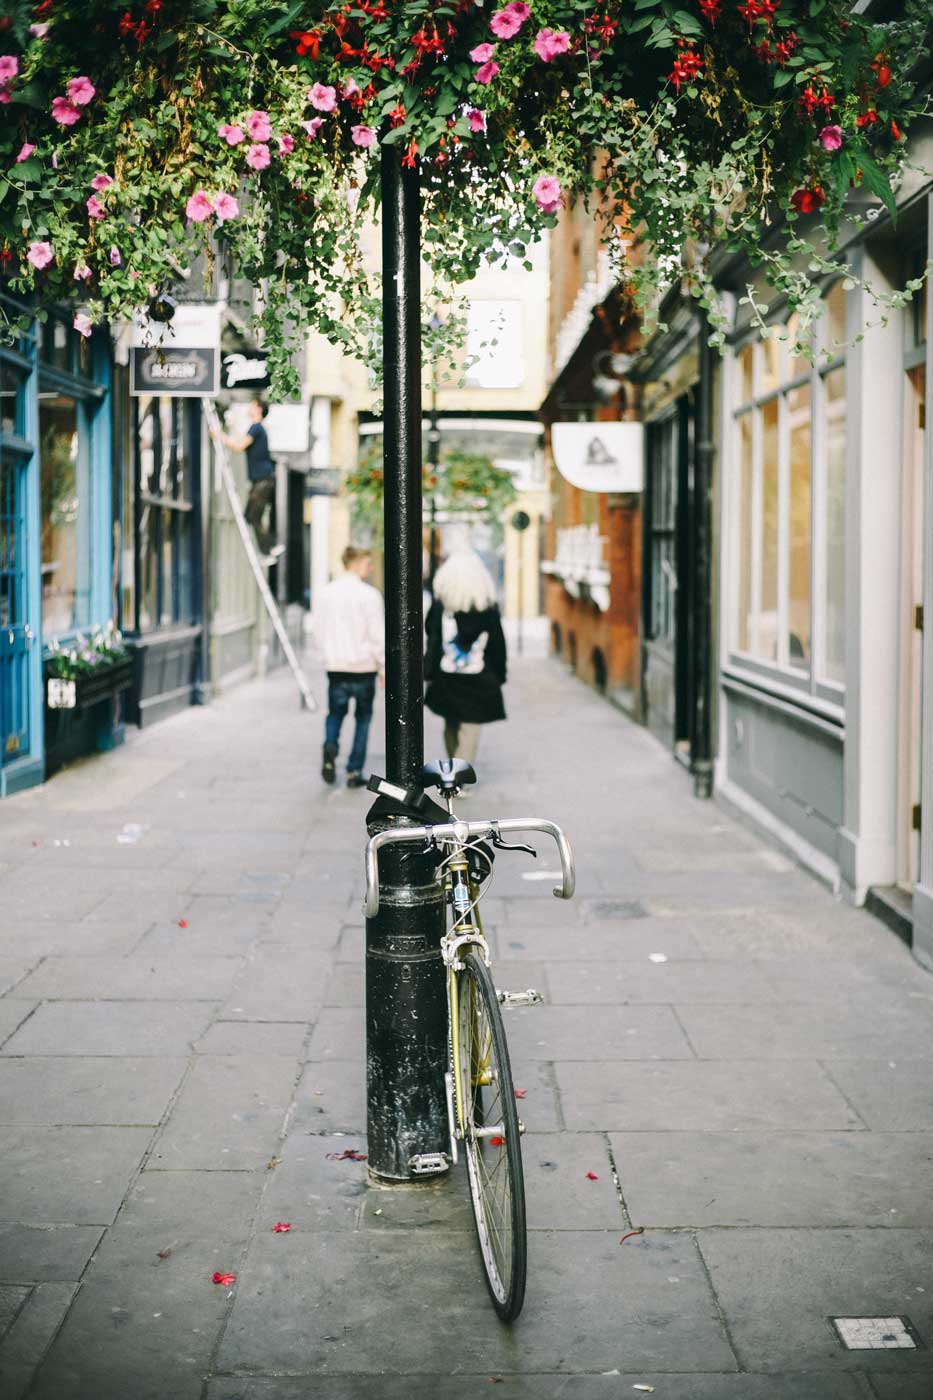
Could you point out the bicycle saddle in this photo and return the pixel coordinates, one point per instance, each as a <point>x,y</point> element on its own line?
<point>447,774</point>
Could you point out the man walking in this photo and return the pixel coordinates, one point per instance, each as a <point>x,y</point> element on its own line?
<point>261,469</point>
<point>349,625</point>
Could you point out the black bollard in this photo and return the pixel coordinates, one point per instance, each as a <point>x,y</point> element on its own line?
<point>406,1004</point>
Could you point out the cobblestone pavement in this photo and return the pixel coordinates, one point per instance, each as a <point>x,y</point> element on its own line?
<point>742,1063</point>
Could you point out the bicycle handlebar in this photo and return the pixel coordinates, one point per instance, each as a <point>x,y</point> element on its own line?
<point>461,832</point>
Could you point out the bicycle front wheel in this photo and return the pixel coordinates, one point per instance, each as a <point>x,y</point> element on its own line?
<point>489,1123</point>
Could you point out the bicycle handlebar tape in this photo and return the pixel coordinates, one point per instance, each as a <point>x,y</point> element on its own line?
<point>406,1014</point>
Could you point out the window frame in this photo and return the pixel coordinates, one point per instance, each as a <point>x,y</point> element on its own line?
<point>810,684</point>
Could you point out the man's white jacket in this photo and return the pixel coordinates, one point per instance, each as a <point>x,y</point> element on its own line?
<point>349,625</point>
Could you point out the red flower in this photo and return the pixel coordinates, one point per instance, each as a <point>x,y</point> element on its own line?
<point>408,159</point>
<point>896,131</point>
<point>591,1176</point>
<point>126,24</point>
<point>142,32</point>
<point>182,923</point>
<point>711,10</point>
<point>809,200</point>
<point>281,1227</point>
<point>397,115</point>
<point>224,1280</point>
<point>866,118</point>
<point>308,42</point>
<point>882,70</point>
<point>686,66</point>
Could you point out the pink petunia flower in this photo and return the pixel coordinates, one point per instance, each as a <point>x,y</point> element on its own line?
<point>233,135</point>
<point>258,157</point>
<point>9,67</point>
<point>286,144</point>
<point>81,90</point>
<point>350,88</point>
<point>65,112</point>
<point>520,9</point>
<point>5,96</point>
<point>322,97</point>
<point>199,207</point>
<point>550,43</point>
<point>546,192</point>
<point>313,126</point>
<point>39,254</point>
<point>830,138</point>
<point>225,207</point>
<point>101,182</point>
<point>95,210</point>
<point>477,119</point>
<point>482,53</point>
<point>25,153</point>
<point>39,31</point>
<point>83,323</point>
<point>115,258</point>
<point>505,23</point>
<point>82,272</point>
<point>362,135</point>
<point>486,73</point>
<point>259,126</point>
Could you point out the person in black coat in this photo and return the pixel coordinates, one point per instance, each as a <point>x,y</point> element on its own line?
<point>465,658</point>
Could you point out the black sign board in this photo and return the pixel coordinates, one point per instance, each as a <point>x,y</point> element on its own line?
<point>244,369</point>
<point>175,371</point>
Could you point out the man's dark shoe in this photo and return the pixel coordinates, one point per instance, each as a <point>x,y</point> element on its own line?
<point>329,766</point>
<point>355,780</point>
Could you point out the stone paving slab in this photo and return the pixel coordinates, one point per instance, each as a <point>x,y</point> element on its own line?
<point>603,1033</point>
<point>111,1028</point>
<point>692,1180</point>
<point>181,1202</point>
<point>14,1013</point>
<point>714,982</point>
<point>722,1095</point>
<point>373,1297</point>
<point>622,940</point>
<point>26,1343</point>
<point>778,1314</point>
<point>262,1038</point>
<point>330,1098</point>
<point>73,1175</point>
<point>892,1095</point>
<point>228,1114</point>
<point>27,937</point>
<point>835,1030</point>
<point>46,1254</point>
<point>693,1386</point>
<point>86,1090</point>
<point>141,976</point>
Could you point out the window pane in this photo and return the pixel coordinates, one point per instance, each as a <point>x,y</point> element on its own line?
<point>797,364</point>
<point>834,321</point>
<point>746,362</point>
<point>11,398</point>
<point>743,634</point>
<point>64,563</point>
<point>769,365</point>
<point>148,567</point>
<point>834,389</point>
<point>768,617</point>
<point>798,617</point>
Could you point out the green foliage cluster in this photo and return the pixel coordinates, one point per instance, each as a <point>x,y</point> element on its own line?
<point>690,124</point>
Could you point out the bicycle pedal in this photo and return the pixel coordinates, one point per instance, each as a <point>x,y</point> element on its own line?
<point>521,1128</point>
<point>429,1163</point>
<point>527,998</point>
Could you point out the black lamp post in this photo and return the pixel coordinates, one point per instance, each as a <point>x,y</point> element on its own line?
<point>434,457</point>
<point>406,1008</point>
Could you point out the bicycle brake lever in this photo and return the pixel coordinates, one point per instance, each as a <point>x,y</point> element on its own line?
<point>501,845</point>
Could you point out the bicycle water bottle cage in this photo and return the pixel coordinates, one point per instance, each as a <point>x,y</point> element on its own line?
<point>448,774</point>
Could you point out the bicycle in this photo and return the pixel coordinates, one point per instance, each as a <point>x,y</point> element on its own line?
<point>481,1109</point>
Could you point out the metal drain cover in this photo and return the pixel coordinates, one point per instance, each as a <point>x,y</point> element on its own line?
<point>874,1333</point>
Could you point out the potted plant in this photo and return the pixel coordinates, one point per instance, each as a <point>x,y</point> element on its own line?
<point>83,682</point>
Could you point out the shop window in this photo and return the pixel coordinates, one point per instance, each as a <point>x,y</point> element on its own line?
<point>167,456</point>
<point>661,524</point>
<point>788,514</point>
<point>66,514</point>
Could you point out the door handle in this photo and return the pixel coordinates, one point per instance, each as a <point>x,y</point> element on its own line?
<point>28,633</point>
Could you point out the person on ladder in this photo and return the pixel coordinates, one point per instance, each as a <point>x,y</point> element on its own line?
<point>261,469</point>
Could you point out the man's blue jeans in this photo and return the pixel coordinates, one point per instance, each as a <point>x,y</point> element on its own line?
<point>341,689</point>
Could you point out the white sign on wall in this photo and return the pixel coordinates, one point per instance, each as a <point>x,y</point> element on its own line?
<point>194,326</point>
<point>600,456</point>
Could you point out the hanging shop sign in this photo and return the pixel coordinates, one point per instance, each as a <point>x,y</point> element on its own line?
<point>244,369</point>
<point>171,370</point>
<point>179,357</point>
<point>600,456</point>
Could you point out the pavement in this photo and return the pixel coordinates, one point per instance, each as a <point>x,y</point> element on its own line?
<point>727,1059</point>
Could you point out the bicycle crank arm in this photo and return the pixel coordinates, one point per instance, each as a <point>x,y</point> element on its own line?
<point>451,1116</point>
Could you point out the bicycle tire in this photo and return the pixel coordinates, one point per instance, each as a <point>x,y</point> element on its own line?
<point>494,1159</point>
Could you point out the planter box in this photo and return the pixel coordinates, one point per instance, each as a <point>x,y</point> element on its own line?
<point>81,716</point>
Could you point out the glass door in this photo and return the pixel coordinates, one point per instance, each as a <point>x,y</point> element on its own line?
<point>15,632</point>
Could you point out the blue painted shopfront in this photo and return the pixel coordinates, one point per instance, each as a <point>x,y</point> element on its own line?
<point>56,512</point>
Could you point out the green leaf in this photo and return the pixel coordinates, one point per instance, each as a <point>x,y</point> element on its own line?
<point>875,180</point>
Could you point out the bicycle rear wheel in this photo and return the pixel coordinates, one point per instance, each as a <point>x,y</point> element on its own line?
<point>491,1137</point>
